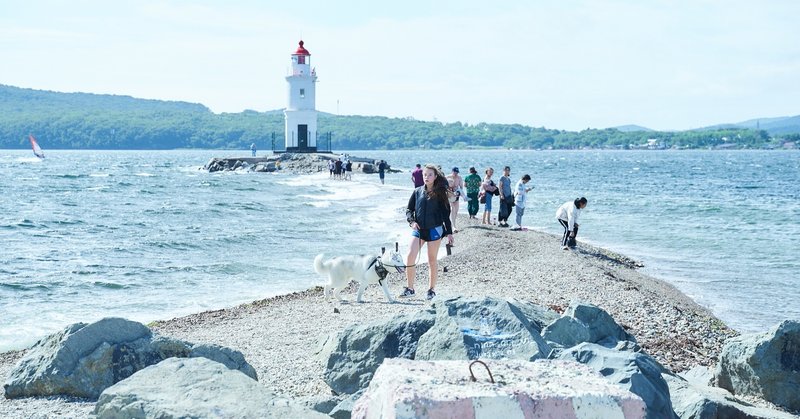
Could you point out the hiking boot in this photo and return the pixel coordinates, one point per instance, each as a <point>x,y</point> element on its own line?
<point>407,292</point>
<point>431,294</point>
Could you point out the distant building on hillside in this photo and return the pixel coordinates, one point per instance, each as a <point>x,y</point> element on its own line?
<point>300,113</point>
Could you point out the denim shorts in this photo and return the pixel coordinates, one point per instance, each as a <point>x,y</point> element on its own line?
<point>428,234</point>
<point>489,202</point>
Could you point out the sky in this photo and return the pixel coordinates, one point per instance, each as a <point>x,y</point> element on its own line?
<point>567,64</point>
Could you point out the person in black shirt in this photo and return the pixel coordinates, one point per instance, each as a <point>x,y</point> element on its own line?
<point>382,166</point>
<point>428,214</point>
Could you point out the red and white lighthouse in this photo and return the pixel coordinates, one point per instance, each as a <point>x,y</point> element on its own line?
<point>300,113</point>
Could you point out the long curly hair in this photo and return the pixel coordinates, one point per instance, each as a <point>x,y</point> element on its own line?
<point>439,190</point>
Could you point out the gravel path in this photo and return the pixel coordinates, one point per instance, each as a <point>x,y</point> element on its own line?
<point>281,336</point>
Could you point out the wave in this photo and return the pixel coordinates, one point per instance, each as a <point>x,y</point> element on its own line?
<point>177,245</point>
<point>35,160</point>
<point>23,287</point>
<point>26,223</point>
<point>109,285</point>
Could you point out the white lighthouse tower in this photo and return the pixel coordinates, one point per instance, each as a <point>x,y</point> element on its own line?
<point>301,115</point>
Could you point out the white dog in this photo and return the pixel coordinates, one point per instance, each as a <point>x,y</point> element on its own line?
<point>365,270</point>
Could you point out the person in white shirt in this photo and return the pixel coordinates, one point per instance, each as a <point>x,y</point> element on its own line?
<point>520,196</point>
<point>567,215</point>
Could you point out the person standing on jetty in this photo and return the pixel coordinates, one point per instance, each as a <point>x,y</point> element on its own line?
<point>348,170</point>
<point>416,176</point>
<point>472,184</point>
<point>567,215</point>
<point>428,215</point>
<point>337,171</point>
<point>253,149</point>
<point>506,198</point>
<point>381,170</point>
<point>520,196</point>
<point>456,185</point>
<point>489,191</point>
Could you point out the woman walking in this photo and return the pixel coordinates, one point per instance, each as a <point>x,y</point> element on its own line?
<point>428,215</point>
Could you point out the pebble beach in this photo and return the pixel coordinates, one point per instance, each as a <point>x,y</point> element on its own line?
<point>282,336</point>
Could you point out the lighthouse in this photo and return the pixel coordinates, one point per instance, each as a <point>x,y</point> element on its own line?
<point>300,113</point>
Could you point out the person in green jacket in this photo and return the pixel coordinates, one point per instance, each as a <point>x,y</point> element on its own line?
<point>473,185</point>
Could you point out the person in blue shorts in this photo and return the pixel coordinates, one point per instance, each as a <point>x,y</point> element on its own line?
<point>428,215</point>
<point>489,190</point>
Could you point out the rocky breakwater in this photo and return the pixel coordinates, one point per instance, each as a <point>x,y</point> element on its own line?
<point>300,163</point>
<point>503,333</point>
<point>134,373</point>
<point>533,360</point>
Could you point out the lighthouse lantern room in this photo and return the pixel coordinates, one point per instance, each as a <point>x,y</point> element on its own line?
<point>300,113</point>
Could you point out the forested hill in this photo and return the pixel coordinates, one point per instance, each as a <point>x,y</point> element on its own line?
<point>91,121</point>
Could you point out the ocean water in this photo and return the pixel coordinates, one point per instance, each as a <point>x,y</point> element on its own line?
<point>148,235</point>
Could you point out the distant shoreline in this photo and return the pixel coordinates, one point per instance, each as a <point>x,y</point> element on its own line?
<point>468,148</point>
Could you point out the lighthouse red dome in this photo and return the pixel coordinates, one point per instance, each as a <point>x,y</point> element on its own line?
<point>301,50</point>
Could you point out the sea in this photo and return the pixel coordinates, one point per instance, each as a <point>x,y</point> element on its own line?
<point>150,235</point>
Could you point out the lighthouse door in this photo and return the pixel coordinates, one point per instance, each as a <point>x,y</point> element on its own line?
<point>302,137</point>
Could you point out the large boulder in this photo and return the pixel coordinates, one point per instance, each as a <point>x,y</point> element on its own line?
<point>228,357</point>
<point>585,323</point>
<point>694,400</point>
<point>541,389</point>
<point>636,372</point>
<point>353,355</point>
<point>84,359</point>
<point>765,365</point>
<point>458,328</point>
<point>344,409</point>
<point>193,388</point>
<point>487,328</point>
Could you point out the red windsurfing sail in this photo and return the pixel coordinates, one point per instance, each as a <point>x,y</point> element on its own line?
<point>36,149</point>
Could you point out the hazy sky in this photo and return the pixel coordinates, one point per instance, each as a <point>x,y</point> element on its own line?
<point>559,64</point>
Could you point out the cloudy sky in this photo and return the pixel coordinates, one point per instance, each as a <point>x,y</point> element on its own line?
<point>565,64</point>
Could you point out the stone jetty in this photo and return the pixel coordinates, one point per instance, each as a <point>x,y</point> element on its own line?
<point>619,342</point>
<point>300,163</point>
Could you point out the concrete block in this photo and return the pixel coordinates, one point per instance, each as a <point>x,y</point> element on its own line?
<point>403,388</point>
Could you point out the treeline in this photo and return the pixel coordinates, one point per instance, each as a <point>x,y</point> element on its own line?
<point>89,121</point>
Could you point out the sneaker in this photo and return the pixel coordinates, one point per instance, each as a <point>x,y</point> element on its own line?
<point>407,292</point>
<point>562,248</point>
<point>431,294</point>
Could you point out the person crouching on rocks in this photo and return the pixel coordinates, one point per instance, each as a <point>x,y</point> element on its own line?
<point>567,215</point>
<point>428,215</point>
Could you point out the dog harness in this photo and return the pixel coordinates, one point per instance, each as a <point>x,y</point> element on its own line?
<point>379,269</point>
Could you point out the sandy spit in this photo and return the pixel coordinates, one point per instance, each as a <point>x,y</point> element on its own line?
<point>281,336</point>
